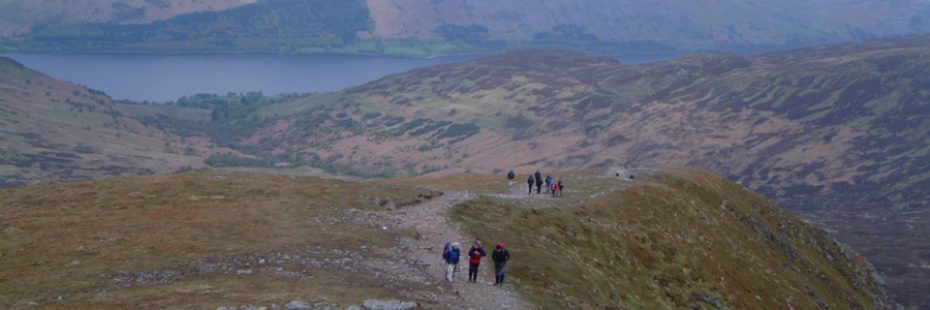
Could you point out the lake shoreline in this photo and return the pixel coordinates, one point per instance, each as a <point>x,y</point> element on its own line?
<point>164,78</point>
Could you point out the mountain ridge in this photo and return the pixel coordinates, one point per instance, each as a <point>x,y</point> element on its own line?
<point>213,239</point>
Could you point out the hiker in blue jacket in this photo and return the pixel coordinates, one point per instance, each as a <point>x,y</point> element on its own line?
<point>451,256</point>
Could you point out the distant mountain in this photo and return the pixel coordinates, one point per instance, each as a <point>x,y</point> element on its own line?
<point>18,17</point>
<point>435,27</point>
<point>53,130</point>
<point>839,134</point>
<point>646,26</point>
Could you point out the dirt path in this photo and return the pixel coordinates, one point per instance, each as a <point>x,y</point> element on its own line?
<point>520,191</point>
<point>434,228</point>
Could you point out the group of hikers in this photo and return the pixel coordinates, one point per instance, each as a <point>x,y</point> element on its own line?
<point>553,187</point>
<point>451,255</point>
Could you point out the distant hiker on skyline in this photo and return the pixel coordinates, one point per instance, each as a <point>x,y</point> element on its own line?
<point>500,256</point>
<point>510,176</point>
<point>451,256</point>
<point>539,181</point>
<point>475,253</point>
<point>548,183</point>
<point>530,181</point>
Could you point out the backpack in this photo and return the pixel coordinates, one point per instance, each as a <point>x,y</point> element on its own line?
<point>453,256</point>
<point>447,251</point>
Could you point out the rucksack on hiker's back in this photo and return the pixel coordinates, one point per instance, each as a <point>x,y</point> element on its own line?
<point>447,251</point>
<point>453,256</point>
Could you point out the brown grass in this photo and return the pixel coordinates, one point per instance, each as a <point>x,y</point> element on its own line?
<point>71,239</point>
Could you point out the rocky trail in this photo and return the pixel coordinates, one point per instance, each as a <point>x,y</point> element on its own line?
<point>434,229</point>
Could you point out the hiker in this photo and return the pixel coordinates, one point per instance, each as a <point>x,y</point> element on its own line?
<point>548,183</point>
<point>530,182</point>
<point>632,177</point>
<point>451,256</point>
<point>475,253</point>
<point>554,189</point>
<point>539,182</point>
<point>500,256</point>
<point>510,176</point>
<point>560,185</point>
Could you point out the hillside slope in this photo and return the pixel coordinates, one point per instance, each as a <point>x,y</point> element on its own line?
<point>682,239</point>
<point>649,26</point>
<point>839,133</point>
<point>435,27</point>
<point>208,239</point>
<point>18,17</point>
<point>54,130</point>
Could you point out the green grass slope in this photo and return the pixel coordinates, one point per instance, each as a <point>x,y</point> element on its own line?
<point>681,240</point>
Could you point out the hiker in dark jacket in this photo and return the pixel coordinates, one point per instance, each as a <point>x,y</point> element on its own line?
<point>530,182</point>
<point>451,256</point>
<point>500,256</point>
<point>510,176</point>
<point>560,185</point>
<point>539,181</point>
<point>475,253</point>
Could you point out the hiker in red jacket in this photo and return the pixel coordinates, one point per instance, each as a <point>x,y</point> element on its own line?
<point>474,260</point>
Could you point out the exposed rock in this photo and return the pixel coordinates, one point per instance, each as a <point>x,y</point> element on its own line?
<point>376,304</point>
<point>713,300</point>
<point>298,305</point>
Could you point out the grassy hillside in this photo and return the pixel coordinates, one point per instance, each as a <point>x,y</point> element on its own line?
<point>837,133</point>
<point>55,130</point>
<point>683,240</point>
<point>199,240</point>
<point>210,239</point>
